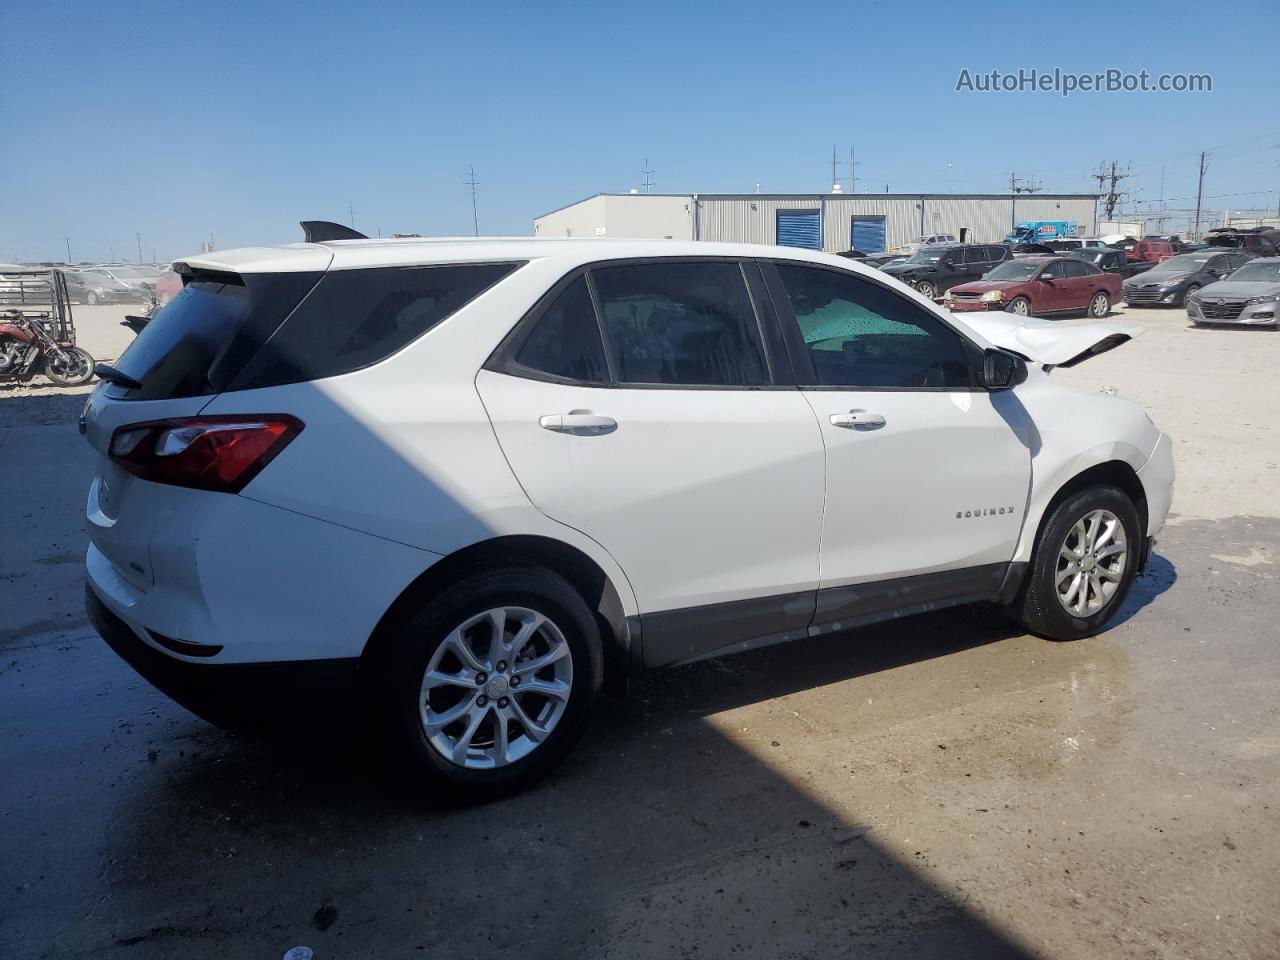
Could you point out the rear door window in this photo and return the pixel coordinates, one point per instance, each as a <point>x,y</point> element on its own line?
<point>681,323</point>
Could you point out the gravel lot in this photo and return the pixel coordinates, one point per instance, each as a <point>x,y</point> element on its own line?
<point>939,787</point>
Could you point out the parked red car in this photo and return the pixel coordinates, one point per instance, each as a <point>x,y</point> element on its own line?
<point>1153,250</point>
<point>168,286</point>
<point>1032,286</point>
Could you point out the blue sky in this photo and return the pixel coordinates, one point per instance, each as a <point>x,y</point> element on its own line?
<point>161,119</point>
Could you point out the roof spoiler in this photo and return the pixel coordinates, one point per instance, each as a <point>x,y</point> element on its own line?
<point>320,231</point>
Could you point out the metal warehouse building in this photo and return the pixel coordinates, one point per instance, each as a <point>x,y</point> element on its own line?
<point>834,222</point>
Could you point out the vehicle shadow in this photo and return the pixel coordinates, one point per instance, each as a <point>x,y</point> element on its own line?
<point>667,833</point>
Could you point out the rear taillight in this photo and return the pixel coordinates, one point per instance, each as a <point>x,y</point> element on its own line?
<point>206,453</point>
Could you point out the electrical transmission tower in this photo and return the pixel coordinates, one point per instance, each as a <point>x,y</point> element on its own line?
<point>1109,177</point>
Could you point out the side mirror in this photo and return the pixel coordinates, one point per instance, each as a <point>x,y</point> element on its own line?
<point>1002,370</point>
<point>1048,280</point>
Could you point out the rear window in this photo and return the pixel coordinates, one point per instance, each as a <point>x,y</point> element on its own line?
<point>229,332</point>
<point>196,344</point>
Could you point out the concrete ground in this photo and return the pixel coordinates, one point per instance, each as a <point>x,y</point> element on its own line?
<point>941,787</point>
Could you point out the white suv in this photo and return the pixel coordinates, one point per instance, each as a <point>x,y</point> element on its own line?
<point>481,479</point>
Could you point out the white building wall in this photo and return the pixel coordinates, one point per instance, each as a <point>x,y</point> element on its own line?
<point>584,219</point>
<point>649,217</point>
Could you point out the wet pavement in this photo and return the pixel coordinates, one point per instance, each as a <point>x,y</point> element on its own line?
<point>940,787</point>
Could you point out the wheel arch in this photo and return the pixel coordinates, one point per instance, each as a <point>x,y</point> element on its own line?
<point>1115,472</point>
<point>621,654</point>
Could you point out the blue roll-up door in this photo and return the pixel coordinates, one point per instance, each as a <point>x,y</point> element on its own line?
<point>868,234</point>
<point>800,228</point>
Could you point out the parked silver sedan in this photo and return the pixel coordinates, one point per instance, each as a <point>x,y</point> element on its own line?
<point>1248,296</point>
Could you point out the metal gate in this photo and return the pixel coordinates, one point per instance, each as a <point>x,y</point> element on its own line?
<point>800,228</point>
<point>867,234</point>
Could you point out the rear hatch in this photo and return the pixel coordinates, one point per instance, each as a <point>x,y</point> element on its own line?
<point>188,353</point>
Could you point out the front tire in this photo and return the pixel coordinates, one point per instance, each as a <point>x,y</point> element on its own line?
<point>91,298</point>
<point>76,371</point>
<point>1084,563</point>
<point>1020,306</point>
<point>1188,292</point>
<point>492,682</point>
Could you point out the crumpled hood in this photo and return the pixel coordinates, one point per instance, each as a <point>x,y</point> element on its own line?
<point>1053,343</point>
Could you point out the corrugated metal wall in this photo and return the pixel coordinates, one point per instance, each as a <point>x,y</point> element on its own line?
<point>746,219</point>
<point>1059,208</point>
<point>901,219</point>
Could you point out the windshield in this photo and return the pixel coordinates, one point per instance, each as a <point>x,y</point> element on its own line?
<point>1187,263</point>
<point>926,256</point>
<point>1012,270</point>
<point>1265,270</point>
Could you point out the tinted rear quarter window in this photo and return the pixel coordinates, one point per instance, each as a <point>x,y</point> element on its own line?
<point>355,318</point>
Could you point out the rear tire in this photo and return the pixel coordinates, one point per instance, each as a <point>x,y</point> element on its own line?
<point>77,371</point>
<point>1100,305</point>
<point>926,289</point>
<point>1099,558</point>
<point>91,298</point>
<point>446,644</point>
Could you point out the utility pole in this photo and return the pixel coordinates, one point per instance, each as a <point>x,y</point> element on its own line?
<point>472,183</point>
<point>1018,185</point>
<point>351,215</point>
<point>1108,182</point>
<point>138,237</point>
<point>1199,198</point>
<point>834,181</point>
<point>68,239</point>
<point>853,172</point>
<point>647,186</point>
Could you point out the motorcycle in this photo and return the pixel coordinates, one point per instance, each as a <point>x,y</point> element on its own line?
<point>27,349</point>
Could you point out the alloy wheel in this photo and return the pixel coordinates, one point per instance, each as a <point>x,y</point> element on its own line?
<point>1020,307</point>
<point>1098,306</point>
<point>1091,563</point>
<point>496,687</point>
<point>925,289</point>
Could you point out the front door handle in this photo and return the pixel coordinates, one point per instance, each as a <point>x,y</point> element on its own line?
<point>855,419</point>
<point>581,423</point>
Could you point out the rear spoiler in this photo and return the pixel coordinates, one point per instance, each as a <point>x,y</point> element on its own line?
<point>321,231</point>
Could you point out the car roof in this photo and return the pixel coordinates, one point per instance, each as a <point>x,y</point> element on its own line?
<point>412,251</point>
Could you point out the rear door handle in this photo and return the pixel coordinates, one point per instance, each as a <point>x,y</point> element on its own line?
<point>581,423</point>
<point>857,418</point>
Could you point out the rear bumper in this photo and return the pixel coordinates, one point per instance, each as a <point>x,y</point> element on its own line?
<point>277,694</point>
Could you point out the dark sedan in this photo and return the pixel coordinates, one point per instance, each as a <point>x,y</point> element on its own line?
<point>96,286</point>
<point>935,270</point>
<point>1171,281</point>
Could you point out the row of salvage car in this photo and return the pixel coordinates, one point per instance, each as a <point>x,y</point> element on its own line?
<point>1232,279</point>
